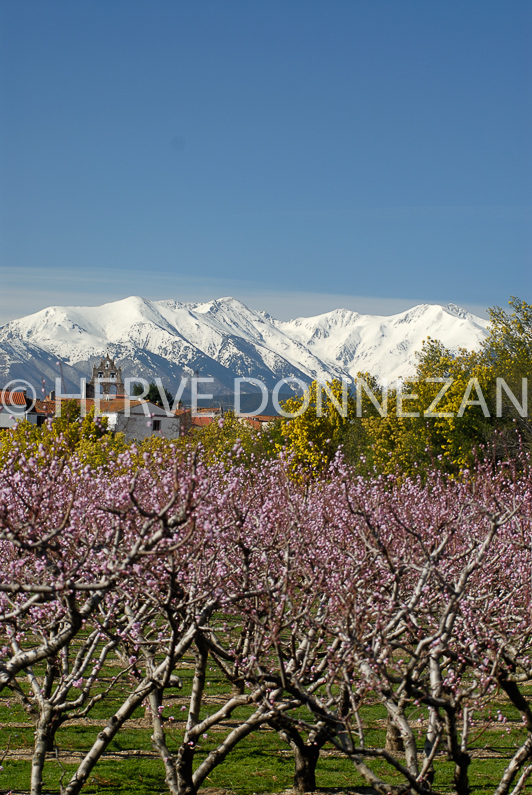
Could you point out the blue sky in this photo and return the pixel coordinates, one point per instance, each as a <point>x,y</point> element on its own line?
<point>299,155</point>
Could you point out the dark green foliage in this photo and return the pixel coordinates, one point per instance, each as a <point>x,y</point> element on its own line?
<point>154,394</point>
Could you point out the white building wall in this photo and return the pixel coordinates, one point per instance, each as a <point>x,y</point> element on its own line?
<point>8,419</point>
<point>139,426</point>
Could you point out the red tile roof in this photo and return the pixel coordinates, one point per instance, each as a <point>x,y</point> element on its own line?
<point>115,404</point>
<point>8,398</point>
<point>45,407</point>
<point>253,422</point>
<point>202,422</point>
<point>104,406</point>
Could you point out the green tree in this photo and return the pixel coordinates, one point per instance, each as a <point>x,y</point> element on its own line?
<point>453,411</point>
<point>321,422</point>
<point>68,433</point>
<point>231,438</point>
<point>154,394</point>
<point>507,351</point>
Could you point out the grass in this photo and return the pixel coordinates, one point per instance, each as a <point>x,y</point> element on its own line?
<point>261,763</point>
<point>253,767</point>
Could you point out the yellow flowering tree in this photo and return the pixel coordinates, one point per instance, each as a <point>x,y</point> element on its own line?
<point>317,423</point>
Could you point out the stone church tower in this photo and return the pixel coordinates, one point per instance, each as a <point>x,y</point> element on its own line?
<point>106,379</point>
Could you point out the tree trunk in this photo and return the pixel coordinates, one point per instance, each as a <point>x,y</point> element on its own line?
<point>187,749</point>
<point>306,759</point>
<point>158,740</point>
<point>105,736</point>
<point>185,782</point>
<point>461,779</point>
<point>394,741</point>
<point>237,687</point>
<point>44,737</point>
<point>306,753</point>
<point>460,757</point>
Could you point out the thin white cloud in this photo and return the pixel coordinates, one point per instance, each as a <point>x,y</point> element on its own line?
<point>28,290</point>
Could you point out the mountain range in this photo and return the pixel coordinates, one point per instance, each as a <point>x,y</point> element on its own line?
<point>224,339</point>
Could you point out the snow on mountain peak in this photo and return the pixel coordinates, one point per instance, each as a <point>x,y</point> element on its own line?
<point>457,311</point>
<point>225,338</point>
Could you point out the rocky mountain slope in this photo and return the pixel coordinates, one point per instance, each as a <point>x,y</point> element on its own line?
<point>224,339</point>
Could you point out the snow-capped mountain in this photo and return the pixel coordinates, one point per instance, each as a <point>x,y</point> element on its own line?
<point>224,339</point>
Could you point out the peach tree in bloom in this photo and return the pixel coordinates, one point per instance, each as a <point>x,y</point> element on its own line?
<point>314,601</point>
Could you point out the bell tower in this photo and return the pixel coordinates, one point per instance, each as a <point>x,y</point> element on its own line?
<point>106,379</point>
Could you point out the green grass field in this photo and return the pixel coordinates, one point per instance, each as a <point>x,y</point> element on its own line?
<point>261,763</point>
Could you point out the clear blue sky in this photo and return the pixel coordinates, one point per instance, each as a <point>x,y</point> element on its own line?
<point>298,154</point>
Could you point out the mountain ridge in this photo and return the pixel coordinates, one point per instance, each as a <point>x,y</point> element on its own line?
<point>224,339</point>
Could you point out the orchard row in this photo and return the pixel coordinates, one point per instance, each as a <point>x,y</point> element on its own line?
<point>314,599</point>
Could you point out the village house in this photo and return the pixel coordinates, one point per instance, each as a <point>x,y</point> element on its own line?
<point>15,406</point>
<point>105,392</point>
<point>136,419</point>
<point>206,416</point>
